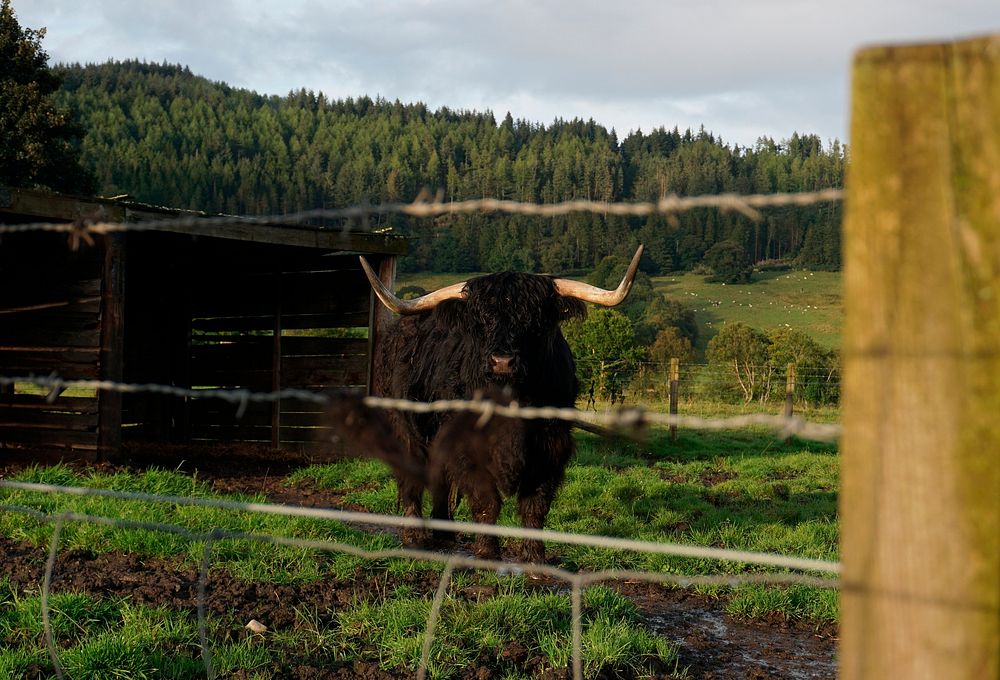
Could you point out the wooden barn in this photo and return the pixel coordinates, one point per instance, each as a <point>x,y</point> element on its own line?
<point>256,306</point>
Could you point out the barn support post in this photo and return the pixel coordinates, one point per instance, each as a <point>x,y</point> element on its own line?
<point>276,379</point>
<point>380,317</point>
<point>920,501</point>
<point>109,428</point>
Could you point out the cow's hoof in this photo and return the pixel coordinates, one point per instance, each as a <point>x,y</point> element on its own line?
<point>487,548</point>
<point>533,552</point>
<point>416,538</point>
<point>443,539</point>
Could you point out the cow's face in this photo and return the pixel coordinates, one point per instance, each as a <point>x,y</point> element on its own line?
<point>514,319</point>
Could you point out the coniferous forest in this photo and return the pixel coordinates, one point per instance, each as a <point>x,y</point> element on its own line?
<point>166,136</point>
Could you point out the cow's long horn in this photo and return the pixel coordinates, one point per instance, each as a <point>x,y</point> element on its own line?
<point>415,306</point>
<point>600,296</point>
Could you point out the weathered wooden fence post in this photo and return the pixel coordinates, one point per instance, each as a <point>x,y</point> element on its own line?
<point>920,502</point>
<point>675,381</point>
<point>790,391</point>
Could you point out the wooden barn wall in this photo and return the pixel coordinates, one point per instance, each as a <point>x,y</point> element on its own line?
<point>50,322</point>
<point>211,313</point>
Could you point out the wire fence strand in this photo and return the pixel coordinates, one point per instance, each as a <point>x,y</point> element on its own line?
<point>749,205</point>
<point>632,418</point>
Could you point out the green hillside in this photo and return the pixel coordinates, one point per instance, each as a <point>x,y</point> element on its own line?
<point>809,301</point>
<point>805,300</point>
<point>164,135</point>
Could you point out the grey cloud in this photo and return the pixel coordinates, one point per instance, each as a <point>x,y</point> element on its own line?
<point>730,64</point>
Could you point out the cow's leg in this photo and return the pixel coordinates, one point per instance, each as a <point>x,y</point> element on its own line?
<point>484,504</point>
<point>533,507</point>
<point>411,499</point>
<point>551,447</point>
<point>442,490</point>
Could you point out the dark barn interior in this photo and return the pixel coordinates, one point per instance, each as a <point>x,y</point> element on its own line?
<point>256,306</point>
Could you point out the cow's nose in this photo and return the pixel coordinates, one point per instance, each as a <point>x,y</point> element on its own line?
<point>502,364</point>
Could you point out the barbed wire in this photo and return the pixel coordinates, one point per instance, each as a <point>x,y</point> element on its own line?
<point>577,580</point>
<point>425,206</point>
<point>622,419</point>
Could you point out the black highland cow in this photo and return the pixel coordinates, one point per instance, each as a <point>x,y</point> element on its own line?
<point>496,335</point>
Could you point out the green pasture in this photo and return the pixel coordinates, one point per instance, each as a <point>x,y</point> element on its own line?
<point>741,489</point>
<point>809,301</point>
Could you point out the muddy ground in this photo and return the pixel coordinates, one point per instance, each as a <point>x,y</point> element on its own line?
<point>713,645</point>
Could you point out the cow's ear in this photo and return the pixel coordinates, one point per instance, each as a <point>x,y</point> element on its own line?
<point>571,308</point>
<point>451,312</point>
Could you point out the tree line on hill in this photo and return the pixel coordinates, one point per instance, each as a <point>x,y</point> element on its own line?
<point>164,135</point>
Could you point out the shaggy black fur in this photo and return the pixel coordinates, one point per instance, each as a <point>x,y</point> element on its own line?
<point>451,352</point>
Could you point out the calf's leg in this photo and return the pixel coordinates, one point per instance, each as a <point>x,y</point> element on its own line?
<point>484,504</point>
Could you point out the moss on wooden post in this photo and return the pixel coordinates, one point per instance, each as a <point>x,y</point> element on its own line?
<point>920,504</point>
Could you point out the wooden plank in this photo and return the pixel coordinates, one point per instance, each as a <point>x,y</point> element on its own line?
<point>47,419</point>
<point>321,372</point>
<point>256,348</point>
<point>232,349</point>
<point>306,346</point>
<point>920,498</point>
<point>251,433</point>
<point>59,207</point>
<point>49,438</point>
<point>207,416</point>
<point>52,319</point>
<point>67,363</point>
<point>41,403</point>
<point>15,311</point>
<point>48,290</point>
<point>23,336</point>
<point>65,208</point>
<point>301,372</point>
<point>289,322</point>
<point>254,356</point>
<point>219,258</point>
<point>303,236</point>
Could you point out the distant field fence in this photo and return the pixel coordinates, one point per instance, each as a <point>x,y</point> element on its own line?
<point>647,382</point>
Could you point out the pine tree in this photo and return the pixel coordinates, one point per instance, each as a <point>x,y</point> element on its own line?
<point>36,137</point>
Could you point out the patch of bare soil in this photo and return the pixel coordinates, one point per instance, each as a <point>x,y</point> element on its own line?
<point>713,645</point>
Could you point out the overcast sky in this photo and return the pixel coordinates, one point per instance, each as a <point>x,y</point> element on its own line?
<point>741,68</point>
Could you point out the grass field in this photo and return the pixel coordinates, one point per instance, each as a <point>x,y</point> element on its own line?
<point>805,300</point>
<point>742,490</point>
